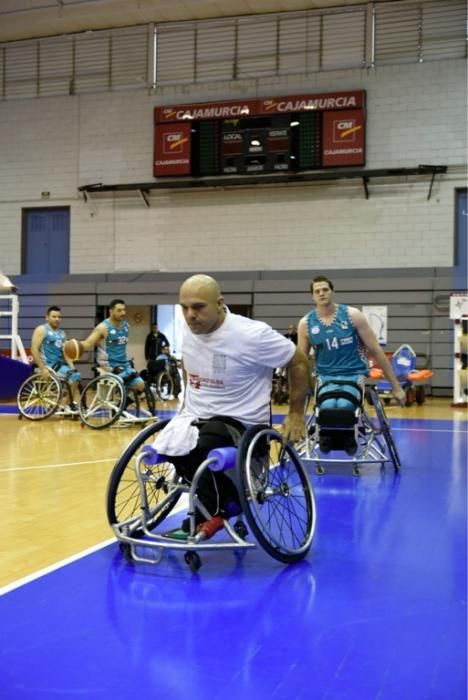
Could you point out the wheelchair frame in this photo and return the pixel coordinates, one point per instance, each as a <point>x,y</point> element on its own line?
<point>150,488</point>
<point>373,437</point>
<point>107,405</point>
<point>42,399</point>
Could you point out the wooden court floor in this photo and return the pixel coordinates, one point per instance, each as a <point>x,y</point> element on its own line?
<point>53,479</point>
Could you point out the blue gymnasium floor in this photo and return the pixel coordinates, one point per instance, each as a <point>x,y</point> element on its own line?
<point>377,610</point>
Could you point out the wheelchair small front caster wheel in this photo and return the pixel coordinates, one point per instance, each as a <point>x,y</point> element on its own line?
<point>357,471</point>
<point>193,561</point>
<point>240,529</point>
<point>320,470</point>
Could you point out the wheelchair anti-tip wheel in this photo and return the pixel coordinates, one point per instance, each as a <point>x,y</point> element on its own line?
<point>38,398</point>
<point>123,499</point>
<point>102,401</point>
<point>385,428</point>
<point>276,495</point>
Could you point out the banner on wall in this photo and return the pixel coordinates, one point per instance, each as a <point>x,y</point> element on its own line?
<point>377,319</point>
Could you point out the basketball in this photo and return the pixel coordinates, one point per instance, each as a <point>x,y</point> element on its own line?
<point>73,349</point>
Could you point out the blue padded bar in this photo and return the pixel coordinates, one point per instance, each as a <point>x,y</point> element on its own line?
<point>225,458</point>
<point>152,456</point>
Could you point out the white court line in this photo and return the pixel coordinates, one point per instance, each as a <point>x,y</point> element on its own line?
<point>53,567</point>
<point>429,430</point>
<point>57,466</point>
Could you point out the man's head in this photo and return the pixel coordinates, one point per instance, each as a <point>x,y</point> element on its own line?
<point>54,316</point>
<point>117,310</point>
<point>322,289</point>
<point>165,350</point>
<point>202,304</point>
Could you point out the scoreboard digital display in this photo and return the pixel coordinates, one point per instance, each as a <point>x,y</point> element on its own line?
<point>287,134</point>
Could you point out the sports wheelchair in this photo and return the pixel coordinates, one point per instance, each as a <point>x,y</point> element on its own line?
<point>163,378</point>
<point>109,400</point>
<point>39,398</point>
<point>274,490</point>
<point>348,429</point>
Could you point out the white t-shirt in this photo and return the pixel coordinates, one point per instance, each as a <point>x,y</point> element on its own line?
<point>229,371</point>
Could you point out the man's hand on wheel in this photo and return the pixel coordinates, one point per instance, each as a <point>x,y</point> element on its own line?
<point>293,428</point>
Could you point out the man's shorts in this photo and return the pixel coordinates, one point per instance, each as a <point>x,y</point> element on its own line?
<point>129,375</point>
<point>340,402</point>
<point>69,375</point>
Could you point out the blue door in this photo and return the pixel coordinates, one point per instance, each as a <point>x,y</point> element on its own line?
<point>461,229</point>
<point>46,243</point>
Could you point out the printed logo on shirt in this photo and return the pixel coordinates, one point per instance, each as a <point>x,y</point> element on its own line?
<point>219,361</point>
<point>346,341</point>
<point>197,382</point>
<point>194,380</point>
<point>315,330</point>
<point>344,325</point>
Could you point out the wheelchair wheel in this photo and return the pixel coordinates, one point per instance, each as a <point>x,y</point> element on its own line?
<point>385,429</point>
<point>276,495</point>
<point>164,385</point>
<point>420,395</point>
<point>39,398</point>
<point>123,491</point>
<point>102,401</point>
<point>150,402</point>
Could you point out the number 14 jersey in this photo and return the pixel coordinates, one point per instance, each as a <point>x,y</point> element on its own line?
<point>337,346</point>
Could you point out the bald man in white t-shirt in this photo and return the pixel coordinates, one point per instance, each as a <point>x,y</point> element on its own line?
<point>228,362</point>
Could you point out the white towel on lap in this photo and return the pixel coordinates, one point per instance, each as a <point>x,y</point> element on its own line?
<point>178,438</point>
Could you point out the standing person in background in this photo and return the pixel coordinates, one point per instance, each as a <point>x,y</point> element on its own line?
<point>155,341</point>
<point>47,350</point>
<point>292,333</point>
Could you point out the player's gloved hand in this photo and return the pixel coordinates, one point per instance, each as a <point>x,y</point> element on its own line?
<point>293,428</point>
<point>400,396</point>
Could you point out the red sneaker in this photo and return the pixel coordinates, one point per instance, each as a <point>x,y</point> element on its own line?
<point>210,527</point>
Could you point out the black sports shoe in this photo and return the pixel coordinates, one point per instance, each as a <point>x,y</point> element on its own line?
<point>350,445</point>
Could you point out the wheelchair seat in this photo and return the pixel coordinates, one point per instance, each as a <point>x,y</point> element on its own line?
<point>275,495</point>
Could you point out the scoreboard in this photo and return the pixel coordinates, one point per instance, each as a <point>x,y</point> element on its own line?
<point>286,134</point>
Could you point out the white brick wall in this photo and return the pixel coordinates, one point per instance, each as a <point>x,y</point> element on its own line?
<point>416,114</point>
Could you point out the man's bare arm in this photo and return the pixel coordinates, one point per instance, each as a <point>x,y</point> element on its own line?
<point>298,378</point>
<point>369,339</point>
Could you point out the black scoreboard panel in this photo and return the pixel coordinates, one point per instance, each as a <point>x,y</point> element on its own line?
<point>205,148</point>
<point>308,148</point>
<point>266,144</point>
<point>257,145</point>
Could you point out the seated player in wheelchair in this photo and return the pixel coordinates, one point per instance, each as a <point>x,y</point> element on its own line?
<point>340,338</point>
<point>111,338</point>
<point>164,362</point>
<point>47,344</point>
<point>228,362</point>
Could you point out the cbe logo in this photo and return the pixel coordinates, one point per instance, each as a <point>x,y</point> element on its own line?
<point>174,142</point>
<point>344,130</point>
